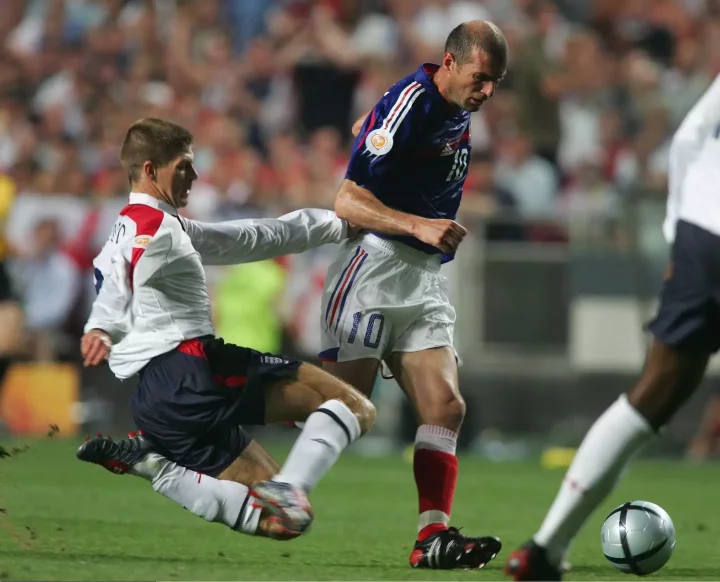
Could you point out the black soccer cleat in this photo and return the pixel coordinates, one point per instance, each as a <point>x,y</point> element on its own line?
<point>450,550</point>
<point>530,562</point>
<point>115,456</point>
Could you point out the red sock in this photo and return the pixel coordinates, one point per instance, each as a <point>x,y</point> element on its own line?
<point>435,477</point>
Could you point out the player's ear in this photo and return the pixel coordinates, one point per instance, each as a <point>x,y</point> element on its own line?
<point>149,170</point>
<point>448,61</point>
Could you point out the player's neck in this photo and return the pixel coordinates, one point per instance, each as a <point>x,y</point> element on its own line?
<point>440,79</point>
<point>151,190</point>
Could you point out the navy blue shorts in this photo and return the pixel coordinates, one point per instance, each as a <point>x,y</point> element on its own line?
<point>191,402</point>
<point>689,314</point>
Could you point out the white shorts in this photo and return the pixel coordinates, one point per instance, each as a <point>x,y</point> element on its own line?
<point>382,297</point>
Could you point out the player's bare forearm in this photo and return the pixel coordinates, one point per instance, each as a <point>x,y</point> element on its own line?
<point>360,207</point>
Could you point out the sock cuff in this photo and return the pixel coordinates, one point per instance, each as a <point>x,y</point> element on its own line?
<point>343,416</point>
<point>631,414</point>
<point>436,438</point>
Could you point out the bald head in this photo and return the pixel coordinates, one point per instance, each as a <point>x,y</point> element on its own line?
<point>469,36</point>
<point>473,65</point>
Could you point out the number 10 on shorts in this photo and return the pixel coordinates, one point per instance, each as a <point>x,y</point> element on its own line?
<point>375,325</point>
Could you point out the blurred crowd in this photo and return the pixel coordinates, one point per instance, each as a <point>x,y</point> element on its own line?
<point>270,89</point>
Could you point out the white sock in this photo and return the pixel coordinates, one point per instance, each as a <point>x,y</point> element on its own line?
<point>212,499</point>
<point>326,433</point>
<point>436,438</point>
<point>619,433</point>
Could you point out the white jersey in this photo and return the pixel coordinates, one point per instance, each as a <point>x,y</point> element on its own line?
<point>694,173</point>
<point>152,293</point>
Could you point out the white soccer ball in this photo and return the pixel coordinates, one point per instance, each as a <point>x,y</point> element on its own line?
<point>638,537</point>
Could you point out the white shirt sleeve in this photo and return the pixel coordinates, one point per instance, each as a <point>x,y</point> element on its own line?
<point>110,311</point>
<point>246,241</point>
<point>132,266</point>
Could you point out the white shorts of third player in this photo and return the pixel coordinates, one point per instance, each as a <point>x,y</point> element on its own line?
<point>382,297</point>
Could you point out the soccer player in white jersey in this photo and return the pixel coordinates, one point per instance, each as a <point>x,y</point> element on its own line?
<point>385,298</point>
<point>152,318</point>
<point>686,332</point>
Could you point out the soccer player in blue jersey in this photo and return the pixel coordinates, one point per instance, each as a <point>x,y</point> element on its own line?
<point>385,299</point>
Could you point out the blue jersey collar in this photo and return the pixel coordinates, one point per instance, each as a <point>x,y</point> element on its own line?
<point>424,76</point>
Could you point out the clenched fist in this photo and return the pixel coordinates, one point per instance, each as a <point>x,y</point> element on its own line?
<point>441,233</point>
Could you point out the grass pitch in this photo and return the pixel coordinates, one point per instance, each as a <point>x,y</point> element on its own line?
<point>64,520</point>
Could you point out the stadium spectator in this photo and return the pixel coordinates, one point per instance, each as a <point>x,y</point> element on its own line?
<point>270,89</point>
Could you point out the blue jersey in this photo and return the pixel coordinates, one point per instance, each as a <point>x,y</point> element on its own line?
<point>413,151</point>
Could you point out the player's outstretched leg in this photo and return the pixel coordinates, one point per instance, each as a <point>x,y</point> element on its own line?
<point>215,500</point>
<point>669,378</point>
<point>334,415</point>
<point>429,378</point>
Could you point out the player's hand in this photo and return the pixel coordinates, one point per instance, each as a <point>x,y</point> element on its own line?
<point>441,233</point>
<point>95,347</point>
<point>353,230</point>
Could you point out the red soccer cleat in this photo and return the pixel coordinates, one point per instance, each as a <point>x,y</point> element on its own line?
<point>530,562</point>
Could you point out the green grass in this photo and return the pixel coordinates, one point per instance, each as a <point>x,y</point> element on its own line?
<point>66,520</point>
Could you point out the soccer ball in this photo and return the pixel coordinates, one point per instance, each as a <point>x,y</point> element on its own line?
<point>638,537</point>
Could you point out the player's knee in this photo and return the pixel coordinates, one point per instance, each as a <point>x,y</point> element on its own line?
<point>653,399</point>
<point>448,412</point>
<point>331,388</point>
<point>455,412</point>
<point>359,404</point>
<point>365,413</point>
<point>650,394</point>
<point>669,378</point>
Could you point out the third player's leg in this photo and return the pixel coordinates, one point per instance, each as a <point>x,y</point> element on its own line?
<point>685,334</point>
<point>669,378</point>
